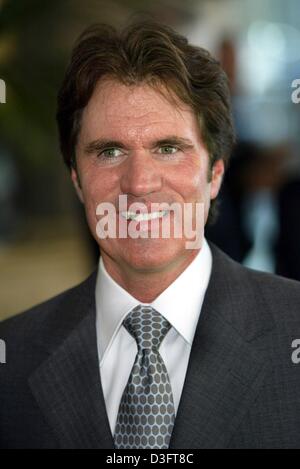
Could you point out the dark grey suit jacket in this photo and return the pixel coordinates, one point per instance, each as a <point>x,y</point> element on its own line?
<point>242,389</point>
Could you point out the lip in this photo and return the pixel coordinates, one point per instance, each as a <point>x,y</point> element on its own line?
<point>143,225</point>
<point>143,208</point>
<point>165,212</point>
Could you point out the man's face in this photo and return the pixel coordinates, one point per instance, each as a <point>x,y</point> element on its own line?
<point>135,142</point>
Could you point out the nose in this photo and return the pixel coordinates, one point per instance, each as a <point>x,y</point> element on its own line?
<point>141,175</point>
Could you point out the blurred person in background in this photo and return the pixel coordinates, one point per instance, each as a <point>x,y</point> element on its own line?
<point>287,245</point>
<point>162,346</point>
<point>258,204</point>
<point>8,193</point>
<point>260,193</point>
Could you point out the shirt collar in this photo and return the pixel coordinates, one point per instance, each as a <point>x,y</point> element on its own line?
<point>180,303</point>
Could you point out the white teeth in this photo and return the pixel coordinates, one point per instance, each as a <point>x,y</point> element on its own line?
<point>143,216</point>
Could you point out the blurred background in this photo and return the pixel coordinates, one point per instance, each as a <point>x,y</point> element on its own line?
<point>45,246</point>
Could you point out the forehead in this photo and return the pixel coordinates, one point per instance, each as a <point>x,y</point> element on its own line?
<point>135,110</point>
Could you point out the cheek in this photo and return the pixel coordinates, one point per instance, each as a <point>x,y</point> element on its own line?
<point>97,186</point>
<point>191,182</point>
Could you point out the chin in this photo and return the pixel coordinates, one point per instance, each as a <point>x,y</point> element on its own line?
<point>151,256</point>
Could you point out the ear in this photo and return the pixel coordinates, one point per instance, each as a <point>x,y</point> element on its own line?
<point>76,183</point>
<point>216,179</point>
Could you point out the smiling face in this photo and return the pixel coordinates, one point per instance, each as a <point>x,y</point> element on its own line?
<point>134,141</point>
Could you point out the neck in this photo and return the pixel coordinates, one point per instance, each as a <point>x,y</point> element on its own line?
<point>146,285</point>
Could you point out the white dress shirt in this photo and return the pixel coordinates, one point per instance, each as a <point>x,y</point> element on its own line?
<point>180,304</point>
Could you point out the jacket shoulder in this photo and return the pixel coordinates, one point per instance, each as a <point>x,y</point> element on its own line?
<point>34,320</point>
<point>272,294</point>
<point>257,295</point>
<point>280,293</point>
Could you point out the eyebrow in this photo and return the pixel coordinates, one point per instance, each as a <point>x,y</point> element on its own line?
<point>102,144</point>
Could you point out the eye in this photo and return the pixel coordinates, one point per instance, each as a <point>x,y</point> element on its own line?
<point>110,153</point>
<point>168,150</point>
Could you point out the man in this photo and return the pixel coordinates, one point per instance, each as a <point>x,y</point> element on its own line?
<point>165,345</point>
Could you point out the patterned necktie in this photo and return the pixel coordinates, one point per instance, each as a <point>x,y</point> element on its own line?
<point>146,413</point>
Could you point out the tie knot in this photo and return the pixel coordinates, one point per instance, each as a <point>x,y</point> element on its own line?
<point>147,326</point>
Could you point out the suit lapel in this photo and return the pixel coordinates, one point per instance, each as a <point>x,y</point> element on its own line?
<point>67,385</point>
<point>225,371</point>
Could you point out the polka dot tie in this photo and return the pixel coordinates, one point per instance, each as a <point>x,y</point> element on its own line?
<point>146,413</point>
